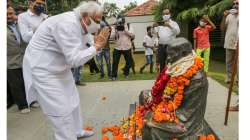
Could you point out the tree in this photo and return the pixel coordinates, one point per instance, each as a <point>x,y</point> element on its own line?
<point>191,9</point>
<point>15,3</point>
<point>53,6</point>
<point>128,7</point>
<point>111,9</point>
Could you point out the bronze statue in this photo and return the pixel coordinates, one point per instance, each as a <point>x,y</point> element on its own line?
<point>192,109</point>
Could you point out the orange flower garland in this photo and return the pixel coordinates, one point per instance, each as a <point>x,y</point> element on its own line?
<point>167,97</point>
<point>208,137</point>
<point>118,132</point>
<point>173,94</point>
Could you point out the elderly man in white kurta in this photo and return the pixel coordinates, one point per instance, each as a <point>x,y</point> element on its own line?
<point>58,45</point>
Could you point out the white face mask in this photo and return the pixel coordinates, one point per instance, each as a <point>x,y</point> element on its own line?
<point>156,29</point>
<point>93,27</point>
<point>233,11</point>
<point>166,17</point>
<point>202,24</point>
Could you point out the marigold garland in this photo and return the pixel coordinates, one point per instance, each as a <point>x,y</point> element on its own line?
<point>125,131</point>
<point>167,94</point>
<point>208,137</point>
<point>173,94</point>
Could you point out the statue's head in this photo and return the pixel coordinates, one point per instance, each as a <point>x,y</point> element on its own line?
<point>178,48</point>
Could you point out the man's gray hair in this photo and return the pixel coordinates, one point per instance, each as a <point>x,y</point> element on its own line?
<point>89,7</point>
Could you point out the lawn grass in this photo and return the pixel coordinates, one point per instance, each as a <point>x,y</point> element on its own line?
<point>139,61</point>
<point>217,71</point>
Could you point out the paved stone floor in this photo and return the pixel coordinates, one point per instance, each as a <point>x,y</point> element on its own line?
<point>97,112</point>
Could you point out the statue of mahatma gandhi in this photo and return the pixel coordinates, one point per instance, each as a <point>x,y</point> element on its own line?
<point>192,110</point>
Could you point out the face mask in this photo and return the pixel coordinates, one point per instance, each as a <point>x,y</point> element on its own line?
<point>39,9</point>
<point>166,17</point>
<point>233,11</point>
<point>156,29</point>
<point>10,22</point>
<point>150,33</point>
<point>93,27</point>
<point>202,24</point>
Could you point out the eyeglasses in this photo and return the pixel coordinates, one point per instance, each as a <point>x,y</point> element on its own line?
<point>236,3</point>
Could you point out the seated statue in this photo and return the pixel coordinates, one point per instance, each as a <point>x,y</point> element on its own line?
<point>184,120</point>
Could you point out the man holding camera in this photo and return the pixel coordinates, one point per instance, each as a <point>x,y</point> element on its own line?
<point>123,38</point>
<point>166,32</point>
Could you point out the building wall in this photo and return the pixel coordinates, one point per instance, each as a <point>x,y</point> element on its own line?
<point>139,25</point>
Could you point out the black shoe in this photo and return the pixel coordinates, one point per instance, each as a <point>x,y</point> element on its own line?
<point>80,84</point>
<point>141,70</point>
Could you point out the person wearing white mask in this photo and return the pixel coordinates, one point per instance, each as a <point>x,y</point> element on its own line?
<point>166,32</point>
<point>230,24</point>
<point>58,45</point>
<point>201,39</point>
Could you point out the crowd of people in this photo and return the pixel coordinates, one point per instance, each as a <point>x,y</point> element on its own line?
<point>44,52</point>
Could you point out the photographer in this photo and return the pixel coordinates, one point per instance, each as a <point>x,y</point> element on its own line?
<point>133,48</point>
<point>166,32</point>
<point>123,38</point>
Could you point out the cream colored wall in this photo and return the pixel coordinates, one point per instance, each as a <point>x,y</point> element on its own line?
<point>139,25</point>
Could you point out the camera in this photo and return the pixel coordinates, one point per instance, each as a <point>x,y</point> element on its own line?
<point>120,24</point>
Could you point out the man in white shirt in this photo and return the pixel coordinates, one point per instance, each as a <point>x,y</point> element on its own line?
<point>230,24</point>
<point>30,20</point>
<point>149,44</point>
<point>167,31</point>
<point>58,45</point>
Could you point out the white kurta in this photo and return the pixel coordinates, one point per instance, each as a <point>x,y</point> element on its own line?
<point>28,23</point>
<point>58,44</point>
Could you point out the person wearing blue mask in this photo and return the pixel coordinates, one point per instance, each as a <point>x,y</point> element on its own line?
<point>166,32</point>
<point>30,20</point>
